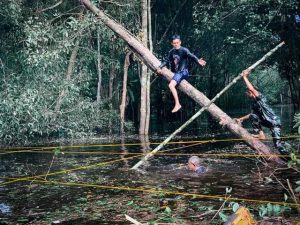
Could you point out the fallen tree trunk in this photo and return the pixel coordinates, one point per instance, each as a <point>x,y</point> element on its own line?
<point>153,63</point>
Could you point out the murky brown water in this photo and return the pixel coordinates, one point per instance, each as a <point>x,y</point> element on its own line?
<point>72,202</point>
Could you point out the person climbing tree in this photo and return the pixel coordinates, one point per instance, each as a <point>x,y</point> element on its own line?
<point>177,61</point>
<point>262,116</point>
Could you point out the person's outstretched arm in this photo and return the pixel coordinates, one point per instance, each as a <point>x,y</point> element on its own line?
<point>248,83</point>
<point>195,58</point>
<point>241,119</point>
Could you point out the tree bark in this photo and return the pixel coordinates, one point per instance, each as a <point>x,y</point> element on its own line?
<point>148,85</point>
<point>144,73</point>
<point>99,69</point>
<point>69,73</point>
<point>150,26</point>
<point>153,63</point>
<point>124,92</point>
<point>112,75</point>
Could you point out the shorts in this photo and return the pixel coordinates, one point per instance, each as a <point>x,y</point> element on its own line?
<point>181,75</point>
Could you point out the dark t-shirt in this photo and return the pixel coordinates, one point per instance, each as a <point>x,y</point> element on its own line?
<point>261,108</point>
<point>177,59</point>
<point>200,170</point>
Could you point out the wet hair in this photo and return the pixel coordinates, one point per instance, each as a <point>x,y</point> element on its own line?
<point>194,160</point>
<point>175,37</point>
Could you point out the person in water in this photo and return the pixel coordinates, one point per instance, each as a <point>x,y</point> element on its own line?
<point>194,164</point>
<point>262,115</point>
<point>177,61</point>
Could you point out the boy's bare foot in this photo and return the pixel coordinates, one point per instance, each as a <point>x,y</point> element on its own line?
<point>259,136</point>
<point>176,108</point>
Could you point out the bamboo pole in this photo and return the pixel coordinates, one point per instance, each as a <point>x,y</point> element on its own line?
<point>205,107</point>
<point>135,222</point>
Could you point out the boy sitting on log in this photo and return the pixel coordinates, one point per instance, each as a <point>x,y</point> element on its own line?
<point>177,61</point>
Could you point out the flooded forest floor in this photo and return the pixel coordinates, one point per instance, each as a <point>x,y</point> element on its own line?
<point>93,184</point>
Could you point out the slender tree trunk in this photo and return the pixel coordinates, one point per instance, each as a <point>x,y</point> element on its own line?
<point>144,75</point>
<point>124,152</point>
<point>226,82</point>
<point>143,53</point>
<point>289,78</point>
<point>145,143</point>
<point>112,75</point>
<point>296,85</point>
<point>148,85</point>
<point>124,92</point>
<point>69,73</point>
<point>150,26</point>
<point>143,102</point>
<point>148,101</point>
<point>99,69</point>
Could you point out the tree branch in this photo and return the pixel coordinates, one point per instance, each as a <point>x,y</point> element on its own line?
<point>51,7</point>
<point>115,3</point>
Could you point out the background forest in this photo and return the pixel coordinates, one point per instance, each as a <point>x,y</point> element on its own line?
<point>61,70</point>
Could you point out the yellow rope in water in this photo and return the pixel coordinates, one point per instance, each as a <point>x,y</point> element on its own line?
<point>139,144</point>
<point>86,167</point>
<point>13,180</point>
<point>154,191</point>
<point>157,154</point>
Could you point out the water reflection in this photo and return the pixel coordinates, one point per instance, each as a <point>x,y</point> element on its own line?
<point>4,209</point>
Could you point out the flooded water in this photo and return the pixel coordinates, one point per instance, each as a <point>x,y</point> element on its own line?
<point>93,184</point>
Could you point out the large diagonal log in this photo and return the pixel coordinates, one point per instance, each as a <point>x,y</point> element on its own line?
<point>153,63</point>
<point>195,116</point>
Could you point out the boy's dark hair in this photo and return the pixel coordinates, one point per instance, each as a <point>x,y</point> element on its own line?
<point>176,36</point>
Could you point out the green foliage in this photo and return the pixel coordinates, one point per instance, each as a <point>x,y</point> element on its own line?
<point>10,11</point>
<point>130,203</point>
<point>34,74</point>
<point>82,200</point>
<point>294,162</point>
<point>235,34</point>
<point>270,84</point>
<point>223,217</point>
<point>272,210</point>
<point>297,121</point>
<point>297,190</point>
<point>235,206</point>
<point>56,151</point>
<point>168,210</point>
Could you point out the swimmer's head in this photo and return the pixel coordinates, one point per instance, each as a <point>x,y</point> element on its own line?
<point>194,163</point>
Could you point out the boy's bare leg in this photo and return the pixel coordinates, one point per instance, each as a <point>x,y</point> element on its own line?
<point>172,86</point>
